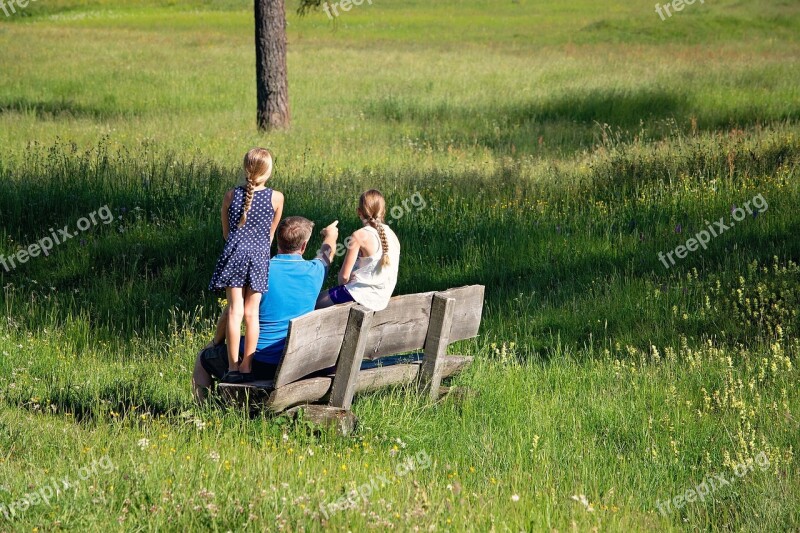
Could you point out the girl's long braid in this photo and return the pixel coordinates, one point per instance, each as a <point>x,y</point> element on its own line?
<point>257,168</point>
<point>248,200</point>
<point>375,223</point>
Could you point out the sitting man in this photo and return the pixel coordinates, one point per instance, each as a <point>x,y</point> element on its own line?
<point>294,285</point>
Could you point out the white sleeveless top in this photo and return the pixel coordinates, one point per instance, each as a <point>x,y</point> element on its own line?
<point>370,284</point>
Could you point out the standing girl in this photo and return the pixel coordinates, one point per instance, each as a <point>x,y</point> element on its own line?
<point>250,215</point>
<point>369,272</point>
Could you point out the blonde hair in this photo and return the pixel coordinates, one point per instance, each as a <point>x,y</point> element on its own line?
<point>257,169</point>
<point>372,207</point>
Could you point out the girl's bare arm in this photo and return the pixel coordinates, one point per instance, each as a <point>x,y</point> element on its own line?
<point>226,204</point>
<point>353,247</point>
<point>277,205</point>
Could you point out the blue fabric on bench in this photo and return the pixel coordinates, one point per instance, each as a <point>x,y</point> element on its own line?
<point>377,363</point>
<point>392,360</point>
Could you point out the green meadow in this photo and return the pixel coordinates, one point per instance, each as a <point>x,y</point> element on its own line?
<point>562,149</point>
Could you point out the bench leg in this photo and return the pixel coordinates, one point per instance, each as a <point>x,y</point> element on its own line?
<point>436,342</point>
<point>350,357</point>
<point>342,421</point>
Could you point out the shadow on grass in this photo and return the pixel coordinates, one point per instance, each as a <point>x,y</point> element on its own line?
<point>529,126</point>
<point>616,107</point>
<point>118,399</point>
<point>130,279</point>
<point>57,109</point>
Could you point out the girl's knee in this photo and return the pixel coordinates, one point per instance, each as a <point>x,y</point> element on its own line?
<point>235,310</point>
<point>251,313</point>
<point>252,304</point>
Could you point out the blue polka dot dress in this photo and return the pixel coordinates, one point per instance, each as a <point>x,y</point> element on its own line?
<point>245,260</point>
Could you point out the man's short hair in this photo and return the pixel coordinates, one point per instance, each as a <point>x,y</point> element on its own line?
<point>293,233</point>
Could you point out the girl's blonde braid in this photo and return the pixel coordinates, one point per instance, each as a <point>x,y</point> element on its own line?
<point>375,223</point>
<point>248,200</point>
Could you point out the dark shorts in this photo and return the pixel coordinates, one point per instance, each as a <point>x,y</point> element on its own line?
<point>215,362</point>
<point>340,295</point>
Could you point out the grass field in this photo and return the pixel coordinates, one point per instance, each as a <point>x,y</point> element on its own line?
<point>559,148</point>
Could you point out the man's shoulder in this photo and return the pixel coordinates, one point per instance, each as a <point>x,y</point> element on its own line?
<point>297,266</point>
<point>318,268</point>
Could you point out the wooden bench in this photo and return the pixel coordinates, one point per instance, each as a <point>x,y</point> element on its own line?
<point>322,359</point>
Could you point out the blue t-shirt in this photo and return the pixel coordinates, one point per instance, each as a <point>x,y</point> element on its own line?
<point>294,286</point>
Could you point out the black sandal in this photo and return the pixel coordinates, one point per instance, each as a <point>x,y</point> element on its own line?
<point>234,377</point>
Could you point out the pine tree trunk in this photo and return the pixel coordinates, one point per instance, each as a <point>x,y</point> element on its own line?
<point>271,82</point>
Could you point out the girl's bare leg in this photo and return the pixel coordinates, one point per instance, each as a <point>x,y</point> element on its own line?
<point>235,316</point>
<point>252,300</point>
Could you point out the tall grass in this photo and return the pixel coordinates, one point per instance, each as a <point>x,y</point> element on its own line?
<point>103,333</point>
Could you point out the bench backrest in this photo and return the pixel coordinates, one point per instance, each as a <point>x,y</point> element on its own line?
<point>315,340</point>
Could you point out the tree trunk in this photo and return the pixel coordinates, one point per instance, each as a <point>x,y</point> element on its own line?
<point>271,83</point>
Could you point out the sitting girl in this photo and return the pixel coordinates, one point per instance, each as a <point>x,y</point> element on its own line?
<point>369,272</point>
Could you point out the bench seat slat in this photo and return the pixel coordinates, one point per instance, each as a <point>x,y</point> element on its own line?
<point>376,378</point>
<point>316,389</point>
<point>305,391</point>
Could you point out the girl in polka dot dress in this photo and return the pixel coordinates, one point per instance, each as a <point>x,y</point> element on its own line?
<point>250,215</point>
